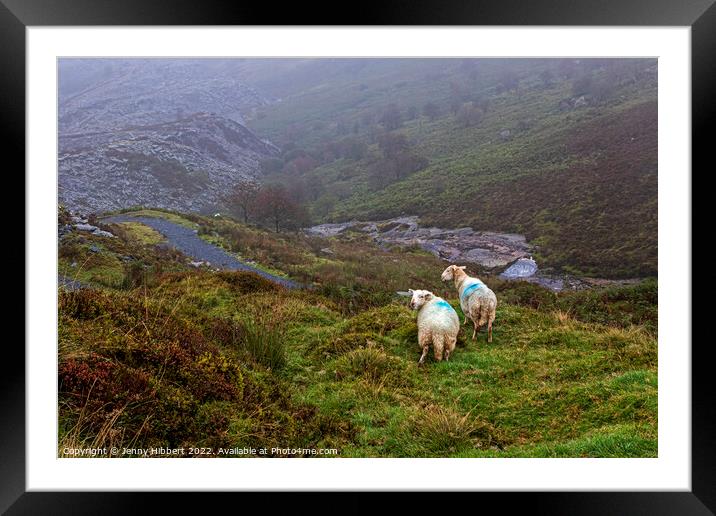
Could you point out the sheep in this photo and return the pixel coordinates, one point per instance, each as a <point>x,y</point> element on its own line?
<point>477,301</point>
<point>438,324</point>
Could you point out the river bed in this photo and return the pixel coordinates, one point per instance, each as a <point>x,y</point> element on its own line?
<point>508,254</point>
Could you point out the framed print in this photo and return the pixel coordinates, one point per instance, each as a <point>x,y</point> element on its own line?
<point>442,250</point>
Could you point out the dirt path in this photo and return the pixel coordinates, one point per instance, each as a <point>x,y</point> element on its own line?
<point>188,242</point>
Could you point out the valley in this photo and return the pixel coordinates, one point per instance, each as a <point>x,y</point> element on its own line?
<point>235,238</point>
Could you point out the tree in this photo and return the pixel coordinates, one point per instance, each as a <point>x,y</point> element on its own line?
<point>457,91</point>
<point>391,118</point>
<point>509,80</point>
<point>325,204</point>
<point>341,127</point>
<point>455,105</point>
<point>547,77</point>
<point>482,102</point>
<point>411,112</point>
<point>567,68</point>
<point>408,163</point>
<point>392,144</point>
<point>582,85</point>
<point>275,206</point>
<point>469,114</point>
<point>242,198</point>
<point>352,148</point>
<point>271,165</point>
<point>431,110</point>
<point>398,160</point>
<point>300,165</point>
<point>601,90</point>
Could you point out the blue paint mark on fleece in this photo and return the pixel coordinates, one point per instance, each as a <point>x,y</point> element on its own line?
<point>469,289</point>
<point>444,304</point>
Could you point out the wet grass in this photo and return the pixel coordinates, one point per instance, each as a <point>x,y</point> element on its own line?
<point>197,358</point>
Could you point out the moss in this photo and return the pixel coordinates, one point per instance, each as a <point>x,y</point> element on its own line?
<point>170,215</point>
<point>141,233</point>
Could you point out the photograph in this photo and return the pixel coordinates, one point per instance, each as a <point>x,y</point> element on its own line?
<point>357,257</point>
<point>412,258</point>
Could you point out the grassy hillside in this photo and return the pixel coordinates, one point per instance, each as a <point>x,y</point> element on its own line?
<point>162,354</point>
<point>562,151</point>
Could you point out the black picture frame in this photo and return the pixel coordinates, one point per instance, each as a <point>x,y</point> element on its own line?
<point>700,15</point>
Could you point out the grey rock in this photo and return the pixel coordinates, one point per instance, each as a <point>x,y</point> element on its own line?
<point>580,102</point>
<point>85,227</point>
<point>522,268</point>
<point>155,132</point>
<point>93,229</point>
<point>462,245</point>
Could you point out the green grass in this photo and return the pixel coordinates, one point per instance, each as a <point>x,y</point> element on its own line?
<point>170,215</point>
<point>142,233</point>
<point>129,260</point>
<point>197,358</point>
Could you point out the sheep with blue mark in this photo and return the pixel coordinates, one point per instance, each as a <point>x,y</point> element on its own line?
<point>438,324</point>
<point>477,301</point>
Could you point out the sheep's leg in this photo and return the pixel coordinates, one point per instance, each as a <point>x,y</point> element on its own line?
<point>449,348</point>
<point>422,357</point>
<point>451,345</point>
<point>465,321</point>
<point>438,347</point>
<point>424,340</point>
<point>489,331</point>
<point>474,332</point>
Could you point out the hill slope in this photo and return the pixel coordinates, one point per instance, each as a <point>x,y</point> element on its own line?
<point>158,132</point>
<point>563,151</point>
<point>158,353</point>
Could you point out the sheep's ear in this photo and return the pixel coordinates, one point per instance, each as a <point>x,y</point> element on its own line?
<point>463,267</point>
<point>428,295</point>
<point>410,290</point>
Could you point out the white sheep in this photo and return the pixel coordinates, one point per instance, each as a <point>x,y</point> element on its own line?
<point>438,324</point>
<point>477,301</point>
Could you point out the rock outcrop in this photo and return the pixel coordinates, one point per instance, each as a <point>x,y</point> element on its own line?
<point>162,133</point>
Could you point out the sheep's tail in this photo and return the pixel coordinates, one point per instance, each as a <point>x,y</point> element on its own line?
<point>438,345</point>
<point>488,309</point>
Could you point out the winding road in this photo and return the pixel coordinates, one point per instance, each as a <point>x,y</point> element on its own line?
<point>188,242</point>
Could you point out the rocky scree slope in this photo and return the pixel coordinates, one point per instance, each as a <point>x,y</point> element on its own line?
<point>165,133</point>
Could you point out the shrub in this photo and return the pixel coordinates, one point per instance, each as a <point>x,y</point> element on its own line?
<point>337,345</point>
<point>441,431</point>
<point>245,282</point>
<point>373,365</point>
<point>264,342</point>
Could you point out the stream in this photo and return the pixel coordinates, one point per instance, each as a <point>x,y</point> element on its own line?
<point>491,250</point>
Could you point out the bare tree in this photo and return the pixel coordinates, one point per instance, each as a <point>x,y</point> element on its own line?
<point>275,206</point>
<point>393,144</point>
<point>242,198</point>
